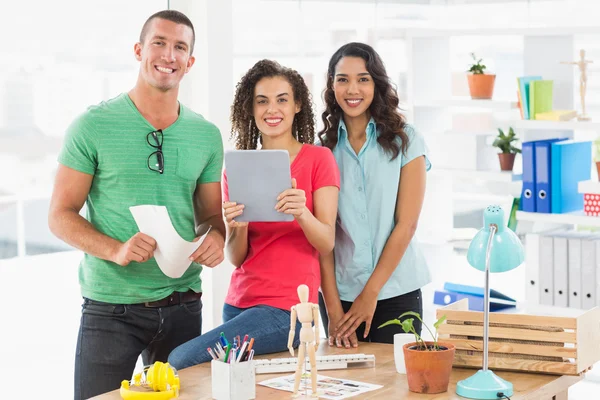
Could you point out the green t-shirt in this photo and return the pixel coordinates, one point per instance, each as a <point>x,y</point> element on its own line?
<point>109,142</point>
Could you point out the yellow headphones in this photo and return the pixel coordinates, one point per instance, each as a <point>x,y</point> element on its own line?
<point>160,377</point>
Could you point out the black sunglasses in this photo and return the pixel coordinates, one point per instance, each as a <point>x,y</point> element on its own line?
<point>156,160</point>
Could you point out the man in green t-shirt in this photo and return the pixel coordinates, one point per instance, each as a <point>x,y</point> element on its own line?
<point>141,147</point>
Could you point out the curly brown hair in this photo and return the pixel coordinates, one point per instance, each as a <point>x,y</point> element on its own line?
<point>384,108</point>
<point>243,127</point>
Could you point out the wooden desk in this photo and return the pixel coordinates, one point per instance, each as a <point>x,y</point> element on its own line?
<point>196,381</point>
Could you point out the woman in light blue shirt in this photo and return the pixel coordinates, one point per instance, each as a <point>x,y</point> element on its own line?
<point>376,269</point>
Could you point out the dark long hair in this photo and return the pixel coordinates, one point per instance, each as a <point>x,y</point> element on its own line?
<point>384,108</point>
<point>243,127</point>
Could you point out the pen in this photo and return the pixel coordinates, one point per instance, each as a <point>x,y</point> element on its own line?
<point>223,340</point>
<point>212,354</point>
<point>251,355</point>
<point>242,350</point>
<point>250,347</point>
<point>227,353</point>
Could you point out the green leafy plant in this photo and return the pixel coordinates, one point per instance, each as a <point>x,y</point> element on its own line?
<point>408,327</point>
<point>477,67</point>
<point>505,142</point>
<point>597,150</point>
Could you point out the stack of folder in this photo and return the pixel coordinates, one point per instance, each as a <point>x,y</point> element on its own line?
<point>563,268</point>
<point>454,292</point>
<point>552,170</point>
<point>535,100</point>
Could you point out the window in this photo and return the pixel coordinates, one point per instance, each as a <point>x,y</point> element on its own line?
<point>58,60</point>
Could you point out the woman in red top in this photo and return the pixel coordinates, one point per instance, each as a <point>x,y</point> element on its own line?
<point>273,106</point>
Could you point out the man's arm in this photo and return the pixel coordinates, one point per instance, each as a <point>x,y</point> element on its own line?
<point>71,189</point>
<point>207,209</point>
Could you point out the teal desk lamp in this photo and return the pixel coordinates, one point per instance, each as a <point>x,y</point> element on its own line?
<point>495,248</point>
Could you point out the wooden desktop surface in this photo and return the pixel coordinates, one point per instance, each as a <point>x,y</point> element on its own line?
<point>196,381</point>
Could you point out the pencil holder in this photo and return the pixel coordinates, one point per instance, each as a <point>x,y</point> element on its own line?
<point>236,381</point>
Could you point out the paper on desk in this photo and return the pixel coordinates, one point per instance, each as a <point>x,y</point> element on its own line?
<point>327,388</point>
<point>172,252</point>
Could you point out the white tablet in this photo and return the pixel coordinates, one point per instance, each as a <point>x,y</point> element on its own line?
<point>255,178</point>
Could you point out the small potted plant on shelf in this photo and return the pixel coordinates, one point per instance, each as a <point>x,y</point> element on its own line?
<point>597,156</point>
<point>508,151</point>
<point>428,364</point>
<point>481,85</point>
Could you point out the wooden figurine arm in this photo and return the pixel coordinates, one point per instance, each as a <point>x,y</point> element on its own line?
<point>292,330</point>
<point>317,330</point>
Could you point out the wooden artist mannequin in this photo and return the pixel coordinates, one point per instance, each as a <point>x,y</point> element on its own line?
<point>307,313</point>
<point>583,66</point>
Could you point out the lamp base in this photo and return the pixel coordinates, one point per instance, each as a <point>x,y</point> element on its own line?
<point>484,385</point>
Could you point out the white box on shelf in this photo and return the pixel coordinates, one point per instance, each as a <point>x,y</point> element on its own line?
<point>236,381</point>
<point>589,187</point>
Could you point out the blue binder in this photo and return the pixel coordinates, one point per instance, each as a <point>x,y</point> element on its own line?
<point>475,302</point>
<point>543,182</point>
<point>528,188</point>
<point>476,291</point>
<point>571,162</point>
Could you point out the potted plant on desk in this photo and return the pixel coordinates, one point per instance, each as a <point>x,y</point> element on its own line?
<point>481,85</point>
<point>428,364</point>
<point>508,151</point>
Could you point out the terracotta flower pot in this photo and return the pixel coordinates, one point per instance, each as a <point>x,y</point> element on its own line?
<point>428,371</point>
<point>598,169</point>
<point>507,161</point>
<point>481,86</point>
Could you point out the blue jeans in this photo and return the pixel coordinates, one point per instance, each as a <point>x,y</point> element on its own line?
<point>112,336</point>
<point>268,326</point>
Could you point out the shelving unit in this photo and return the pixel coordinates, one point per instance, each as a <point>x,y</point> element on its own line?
<point>461,149</point>
<point>574,218</point>
<point>572,125</point>
<point>501,105</point>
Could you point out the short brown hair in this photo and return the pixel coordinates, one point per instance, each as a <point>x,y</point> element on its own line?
<point>173,16</point>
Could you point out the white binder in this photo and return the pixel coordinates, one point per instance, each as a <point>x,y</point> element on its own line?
<point>546,270</point>
<point>532,265</point>
<point>589,266</point>
<point>561,273</point>
<point>574,267</point>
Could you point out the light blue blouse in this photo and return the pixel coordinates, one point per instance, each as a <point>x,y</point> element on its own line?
<point>366,208</point>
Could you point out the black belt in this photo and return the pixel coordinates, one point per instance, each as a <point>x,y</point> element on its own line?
<point>174,299</point>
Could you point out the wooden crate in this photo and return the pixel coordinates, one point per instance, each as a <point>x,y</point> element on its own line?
<point>522,342</point>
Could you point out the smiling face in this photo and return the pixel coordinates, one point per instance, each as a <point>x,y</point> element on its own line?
<point>274,107</point>
<point>353,86</point>
<point>165,54</point>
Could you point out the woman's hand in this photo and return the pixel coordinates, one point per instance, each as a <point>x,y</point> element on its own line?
<point>347,342</point>
<point>292,201</point>
<point>362,310</point>
<point>232,210</point>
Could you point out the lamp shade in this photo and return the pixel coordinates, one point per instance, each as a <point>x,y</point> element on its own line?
<point>507,251</point>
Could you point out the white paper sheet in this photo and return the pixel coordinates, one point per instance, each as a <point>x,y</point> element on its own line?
<point>327,388</point>
<point>172,252</point>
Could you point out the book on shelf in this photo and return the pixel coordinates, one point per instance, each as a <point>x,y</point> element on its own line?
<point>556,115</point>
<point>523,83</point>
<point>540,97</point>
